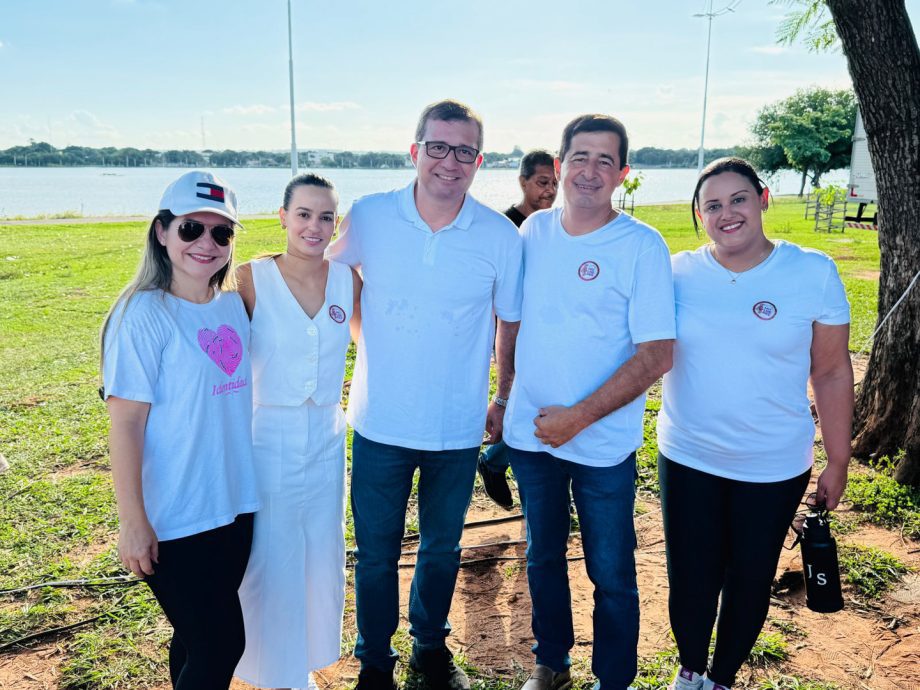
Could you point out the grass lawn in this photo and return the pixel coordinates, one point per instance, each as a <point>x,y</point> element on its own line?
<point>57,513</point>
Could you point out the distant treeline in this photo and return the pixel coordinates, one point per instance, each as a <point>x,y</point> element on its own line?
<point>650,157</point>
<point>41,154</point>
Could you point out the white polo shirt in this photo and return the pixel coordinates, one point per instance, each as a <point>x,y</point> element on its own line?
<point>421,377</point>
<point>735,404</point>
<point>588,301</point>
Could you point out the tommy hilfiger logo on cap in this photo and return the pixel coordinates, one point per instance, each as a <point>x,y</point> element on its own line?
<point>213,192</point>
<point>199,191</point>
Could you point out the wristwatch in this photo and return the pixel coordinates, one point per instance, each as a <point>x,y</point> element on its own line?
<point>501,402</point>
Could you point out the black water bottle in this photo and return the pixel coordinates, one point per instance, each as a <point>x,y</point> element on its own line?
<point>819,558</point>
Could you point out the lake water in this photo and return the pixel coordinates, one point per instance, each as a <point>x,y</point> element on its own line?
<point>136,191</point>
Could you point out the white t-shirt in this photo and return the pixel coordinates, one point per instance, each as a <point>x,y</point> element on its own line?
<point>421,377</point>
<point>588,301</point>
<point>735,403</point>
<point>191,363</point>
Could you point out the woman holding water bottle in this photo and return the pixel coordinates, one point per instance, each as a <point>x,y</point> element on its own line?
<point>757,319</point>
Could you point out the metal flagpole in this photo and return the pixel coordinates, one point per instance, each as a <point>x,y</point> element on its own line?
<point>709,15</point>
<point>291,80</point>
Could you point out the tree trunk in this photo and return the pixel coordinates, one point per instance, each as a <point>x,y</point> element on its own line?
<point>804,179</point>
<point>884,63</point>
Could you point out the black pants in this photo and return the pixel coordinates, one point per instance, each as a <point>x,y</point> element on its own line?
<point>722,536</point>
<point>196,583</point>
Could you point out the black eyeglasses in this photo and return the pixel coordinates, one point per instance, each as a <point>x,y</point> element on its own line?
<point>439,149</point>
<point>191,230</point>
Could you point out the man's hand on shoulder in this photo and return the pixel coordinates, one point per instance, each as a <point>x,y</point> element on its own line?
<point>558,424</point>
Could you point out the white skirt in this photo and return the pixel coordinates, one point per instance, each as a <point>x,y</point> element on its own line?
<point>293,593</point>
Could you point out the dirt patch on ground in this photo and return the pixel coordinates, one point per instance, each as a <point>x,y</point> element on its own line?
<point>27,402</point>
<point>872,645</point>
<point>868,275</point>
<point>35,669</point>
<point>866,646</point>
<point>862,647</point>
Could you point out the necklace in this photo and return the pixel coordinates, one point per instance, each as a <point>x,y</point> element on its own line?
<point>736,274</point>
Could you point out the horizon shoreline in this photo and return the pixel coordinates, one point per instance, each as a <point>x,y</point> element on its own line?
<point>83,220</point>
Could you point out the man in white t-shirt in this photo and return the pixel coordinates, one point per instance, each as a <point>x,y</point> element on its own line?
<point>597,330</point>
<point>437,266</point>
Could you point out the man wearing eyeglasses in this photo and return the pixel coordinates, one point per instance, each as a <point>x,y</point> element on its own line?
<point>436,265</point>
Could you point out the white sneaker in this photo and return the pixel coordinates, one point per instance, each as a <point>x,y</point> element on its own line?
<point>311,684</point>
<point>685,679</point>
<point>709,685</point>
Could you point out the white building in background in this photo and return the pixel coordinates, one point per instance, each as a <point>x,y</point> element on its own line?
<point>314,158</point>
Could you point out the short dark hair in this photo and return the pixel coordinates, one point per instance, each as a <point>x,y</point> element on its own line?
<point>301,180</point>
<point>448,110</point>
<point>532,159</point>
<point>595,122</point>
<point>717,167</point>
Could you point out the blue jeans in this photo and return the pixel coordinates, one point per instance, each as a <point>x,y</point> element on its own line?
<point>604,498</point>
<point>495,457</point>
<point>381,481</point>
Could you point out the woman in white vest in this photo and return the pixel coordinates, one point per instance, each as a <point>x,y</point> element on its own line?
<point>176,375</point>
<point>756,320</point>
<point>301,307</point>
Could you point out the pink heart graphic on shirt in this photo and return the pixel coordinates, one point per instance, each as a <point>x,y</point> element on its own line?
<point>224,347</point>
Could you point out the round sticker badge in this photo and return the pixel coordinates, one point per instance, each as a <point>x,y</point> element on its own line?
<point>589,270</point>
<point>336,313</point>
<point>765,310</point>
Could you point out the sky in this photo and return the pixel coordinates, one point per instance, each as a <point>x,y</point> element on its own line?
<point>190,74</point>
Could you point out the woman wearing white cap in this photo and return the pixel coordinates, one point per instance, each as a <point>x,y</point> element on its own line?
<point>301,306</point>
<point>176,376</point>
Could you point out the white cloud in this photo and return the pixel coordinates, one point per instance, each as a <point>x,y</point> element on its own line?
<point>250,110</point>
<point>84,128</point>
<point>1,44</point>
<point>553,85</point>
<point>314,107</point>
<point>769,49</point>
<point>306,107</point>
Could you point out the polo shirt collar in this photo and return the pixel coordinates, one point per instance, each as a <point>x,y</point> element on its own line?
<point>409,211</point>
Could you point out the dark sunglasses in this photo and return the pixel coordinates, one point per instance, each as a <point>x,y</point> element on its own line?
<point>191,230</point>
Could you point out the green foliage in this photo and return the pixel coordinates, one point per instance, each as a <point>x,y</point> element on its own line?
<point>787,627</point>
<point>656,671</point>
<point>125,649</point>
<point>631,184</point>
<point>810,21</point>
<point>769,648</point>
<point>829,195</point>
<point>794,683</point>
<point>44,155</point>
<point>813,129</point>
<point>647,454</point>
<point>870,570</point>
<point>885,501</point>
<point>653,157</point>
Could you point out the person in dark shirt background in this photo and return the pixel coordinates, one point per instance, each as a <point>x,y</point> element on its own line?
<point>538,186</point>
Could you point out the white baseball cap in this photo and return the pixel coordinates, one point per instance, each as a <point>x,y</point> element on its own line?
<point>198,191</point>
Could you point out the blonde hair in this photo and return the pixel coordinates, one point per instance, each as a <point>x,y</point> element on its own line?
<point>155,273</point>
